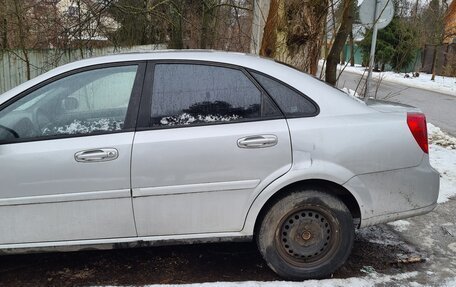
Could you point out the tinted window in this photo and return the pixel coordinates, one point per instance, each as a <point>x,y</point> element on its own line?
<point>83,103</point>
<point>290,102</point>
<point>185,94</point>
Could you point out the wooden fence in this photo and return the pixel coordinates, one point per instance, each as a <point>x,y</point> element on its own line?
<point>13,68</point>
<point>445,63</point>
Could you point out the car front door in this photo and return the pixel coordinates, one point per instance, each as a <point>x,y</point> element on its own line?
<point>65,151</point>
<point>208,139</point>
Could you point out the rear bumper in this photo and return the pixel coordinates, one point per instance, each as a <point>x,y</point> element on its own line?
<point>396,216</point>
<point>396,194</point>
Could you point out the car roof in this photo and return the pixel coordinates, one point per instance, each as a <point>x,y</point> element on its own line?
<point>329,99</point>
<point>234,58</point>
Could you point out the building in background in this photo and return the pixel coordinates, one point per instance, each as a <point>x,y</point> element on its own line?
<point>450,24</point>
<point>86,21</point>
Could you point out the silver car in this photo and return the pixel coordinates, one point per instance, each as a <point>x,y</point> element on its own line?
<point>179,147</point>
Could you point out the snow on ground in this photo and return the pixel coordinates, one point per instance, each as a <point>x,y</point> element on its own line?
<point>442,154</point>
<point>438,137</point>
<point>400,225</point>
<point>371,279</point>
<point>444,161</point>
<point>446,85</point>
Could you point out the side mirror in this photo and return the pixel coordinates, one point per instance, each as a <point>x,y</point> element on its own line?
<point>70,104</point>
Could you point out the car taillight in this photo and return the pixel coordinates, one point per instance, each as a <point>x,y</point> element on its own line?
<point>417,125</point>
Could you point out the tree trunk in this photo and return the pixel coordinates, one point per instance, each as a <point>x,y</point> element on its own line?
<point>325,44</point>
<point>352,49</point>
<point>415,10</point>
<point>19,12</point>
<point>269,41</point>
<point>260,10</point>
<point>339,42</point>
<point>81,51</point>
<point>27,63</point>
<point>5,34</point>
<point>144,34</point>
<point>208,24</point>
<point>204,27</point>
<point>177,41</point>
<point>434,61</point>
<point>294,32</point>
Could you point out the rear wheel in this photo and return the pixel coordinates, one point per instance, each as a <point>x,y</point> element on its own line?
<point>307,234</point>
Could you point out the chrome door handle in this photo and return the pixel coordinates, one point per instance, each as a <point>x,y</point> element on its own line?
<point>96,155</point>
<point>259,141</point>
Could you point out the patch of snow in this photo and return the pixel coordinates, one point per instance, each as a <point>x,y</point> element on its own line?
<point>85,127</point>
<point>438,137</point>
<point>452,247</point>
<point>444,161</point>
<point>400,225</point>
<point>353,94</point>
<point>442,155</point>
<point>449,282</point>
<point>186,119</point>
<point>445,85</point>
<point>370,280</point>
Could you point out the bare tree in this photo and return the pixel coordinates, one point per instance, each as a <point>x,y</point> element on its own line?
<point>434,28</point>
<point>204,24</point>
<point>18,13</point>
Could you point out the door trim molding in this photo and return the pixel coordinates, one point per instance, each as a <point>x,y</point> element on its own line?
<point>195,188</point>
<point>80,196</point>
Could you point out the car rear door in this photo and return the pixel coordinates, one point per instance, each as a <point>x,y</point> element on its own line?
<point>65,157</point>
<point>208,139</point>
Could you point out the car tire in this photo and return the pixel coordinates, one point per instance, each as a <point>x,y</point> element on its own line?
<point>308,234</point>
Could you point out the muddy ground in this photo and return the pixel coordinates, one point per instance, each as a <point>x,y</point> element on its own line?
<point>189,264</point>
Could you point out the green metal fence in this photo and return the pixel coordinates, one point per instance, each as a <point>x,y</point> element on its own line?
<point>415,65</point>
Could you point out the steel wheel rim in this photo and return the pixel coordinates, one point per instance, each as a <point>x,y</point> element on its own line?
<point>307,237</point>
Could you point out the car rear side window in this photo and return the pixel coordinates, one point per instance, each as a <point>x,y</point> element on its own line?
<point>292,103</point>
<point>191,94</point>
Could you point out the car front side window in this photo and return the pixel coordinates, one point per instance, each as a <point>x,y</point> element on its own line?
<point>93,101</point>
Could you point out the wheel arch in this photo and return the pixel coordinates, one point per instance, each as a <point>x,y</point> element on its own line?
<point>331,187</point>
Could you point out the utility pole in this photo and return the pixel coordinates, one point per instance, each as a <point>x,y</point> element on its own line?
<point>260,13</point>
<point>372,53</point>
<point>379,14</point>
